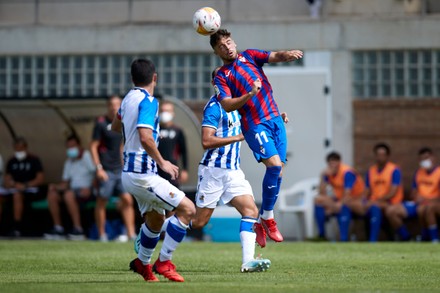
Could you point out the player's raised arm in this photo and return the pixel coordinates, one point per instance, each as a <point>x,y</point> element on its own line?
<point>149,144</point>
<point>232,104</point>
<point>285,56</point>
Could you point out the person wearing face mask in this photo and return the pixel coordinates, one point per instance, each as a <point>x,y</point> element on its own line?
<point>348,189</point>
<point>23,179</point>
<point>384,188</point>
<point>425,196</point>
<point>172,144</point>
<point>75,189</point>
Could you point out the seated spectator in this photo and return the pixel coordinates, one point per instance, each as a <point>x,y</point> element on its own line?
<point>425,196</point>
<point>23,180</point>
<point>348,188</point>
<point>76,188</point>
<point>383,188</point>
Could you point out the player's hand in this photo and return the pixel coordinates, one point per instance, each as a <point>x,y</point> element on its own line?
<point>256,87</point>
<point>183,176</point>
<point>284,117</point>
<point>20,186</point>
<point>296,54</point>
<point>171,169</point>
<point>101,175</point>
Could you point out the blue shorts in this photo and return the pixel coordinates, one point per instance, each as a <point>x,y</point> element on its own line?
<point>268,139</point>
<point>411,208</point>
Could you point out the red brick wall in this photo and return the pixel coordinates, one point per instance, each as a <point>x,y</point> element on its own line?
<point>406,125</point>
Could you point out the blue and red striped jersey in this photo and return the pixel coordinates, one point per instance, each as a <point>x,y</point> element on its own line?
<point>235,80</point>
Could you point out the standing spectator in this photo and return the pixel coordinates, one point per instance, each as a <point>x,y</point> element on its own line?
<point>425,195</point>
<point>172,144</point>
<point>106,148</point>
<point>383,188</point>
<point>76,189</point>
<point>24,178</point>
<point>348,188</point>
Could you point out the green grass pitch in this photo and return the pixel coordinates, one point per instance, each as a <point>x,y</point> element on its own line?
<point>40,266</point>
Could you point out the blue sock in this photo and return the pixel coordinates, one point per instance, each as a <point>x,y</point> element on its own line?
<point>375,217</point>
<point>149,239</point>
<point>320,220</point>
<point>403,233</point>
<point>433,233</point>
<point>425,234</point>
<point>175,233</point>
<point>279,181</point>
<point>344,219</point>
<point>270,188</point>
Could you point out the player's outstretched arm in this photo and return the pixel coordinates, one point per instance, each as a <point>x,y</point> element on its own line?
<point>149,144</point>
<point>285,56</point>
<point>232,104</point>
<point>210,141</point>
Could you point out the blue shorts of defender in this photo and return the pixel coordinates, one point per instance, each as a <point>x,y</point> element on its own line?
<point>268,139</point>
<point>411,209</point>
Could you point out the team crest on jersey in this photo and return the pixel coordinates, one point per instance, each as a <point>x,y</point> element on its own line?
<point>216,90</point>
<point>242,59</point>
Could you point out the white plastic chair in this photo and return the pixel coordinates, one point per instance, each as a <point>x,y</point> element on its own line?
<point>299,199</point>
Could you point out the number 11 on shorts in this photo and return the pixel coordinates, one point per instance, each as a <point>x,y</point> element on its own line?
<point>260,135</point>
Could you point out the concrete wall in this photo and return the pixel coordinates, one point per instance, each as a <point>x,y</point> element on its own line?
<point>405,125</point>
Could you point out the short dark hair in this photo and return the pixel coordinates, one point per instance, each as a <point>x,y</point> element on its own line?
<point>333,156</point>
<point>73,137</point>
<point>382,146</point>
<point>221,33</point>
<point>20,140</point>
<point>214,72</point>
<point>142,72</point>
<point>425,150</point>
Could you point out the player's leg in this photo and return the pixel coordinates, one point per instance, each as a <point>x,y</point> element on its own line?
<point>201,218</point>
<point>53,201</point>
<point>245,205</point>
<point>18,201</point>
<point>127,213</point>
<point>396,213</point>
<point>71,201</point>
<point>374,216</point>
<point>431,221</point>
<point>105,191</point>
<point>324,207</point>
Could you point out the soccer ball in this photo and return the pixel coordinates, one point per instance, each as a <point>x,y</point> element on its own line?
<point>206,21</point>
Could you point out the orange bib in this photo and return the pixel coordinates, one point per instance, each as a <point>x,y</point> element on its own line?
<point>428,184</point>
<point>381,182</point>
<point>337,182</point>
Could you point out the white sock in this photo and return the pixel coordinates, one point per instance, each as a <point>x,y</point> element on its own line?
<point>152,238</point>
<point>247,239</point>
<point>175,233</point>
<point>267,215</point>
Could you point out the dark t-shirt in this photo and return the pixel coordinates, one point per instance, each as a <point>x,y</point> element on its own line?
<point>25,170</point>
<point>172,147</point>
<point>109,148</point>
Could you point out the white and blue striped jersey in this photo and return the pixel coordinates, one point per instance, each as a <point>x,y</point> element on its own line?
<point>138,110</point>
<point>226,124</point>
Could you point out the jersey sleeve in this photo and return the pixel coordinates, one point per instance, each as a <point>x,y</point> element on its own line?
<point>259,56</point>
<point>396,177</point>
<point>147,113</point>
<point>349,179</point>
<point>211,115</point>
<point>222,90</point>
